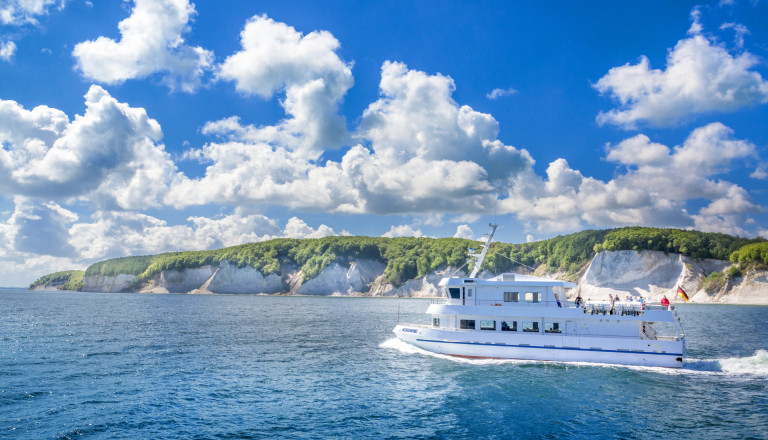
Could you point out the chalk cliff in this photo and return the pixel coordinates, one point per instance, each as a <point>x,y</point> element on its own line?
<point>649,274</point>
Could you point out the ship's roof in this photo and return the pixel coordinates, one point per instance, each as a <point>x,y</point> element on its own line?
<point>508,279</point>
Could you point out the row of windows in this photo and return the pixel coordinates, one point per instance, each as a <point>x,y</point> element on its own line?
<point>505,326</point>
<point>530,297</point>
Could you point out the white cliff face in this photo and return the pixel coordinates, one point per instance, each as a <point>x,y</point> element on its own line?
<point>649,274</point>
<point>425,287</point>
<point>103,283</point>
<point>229,278</point>
<point>336,279</point>
<point>750,288</point>
<point>179,281</point>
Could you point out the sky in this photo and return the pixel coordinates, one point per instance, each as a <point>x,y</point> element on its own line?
<point>148,126</point>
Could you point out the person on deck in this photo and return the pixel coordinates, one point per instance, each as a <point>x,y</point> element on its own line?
<point>665,302</point>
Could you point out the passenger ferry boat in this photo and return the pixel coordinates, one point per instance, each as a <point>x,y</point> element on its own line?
<point>514,316</point>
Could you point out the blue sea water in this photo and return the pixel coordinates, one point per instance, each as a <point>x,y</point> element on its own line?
<point>138,366</point>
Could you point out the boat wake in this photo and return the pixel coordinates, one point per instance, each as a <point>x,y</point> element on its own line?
<point>755,365</point>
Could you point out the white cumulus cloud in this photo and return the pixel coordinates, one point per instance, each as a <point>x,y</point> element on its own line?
<point>402,231</point>
<point>464,231</point>
<point>151,42</point>
<point>111,153</point>
<point>20,12</point>
<point>276,58</point>
<point>653,189</point>
<point>701,76</point>
<point>498,93</point>
<point>7,50</point>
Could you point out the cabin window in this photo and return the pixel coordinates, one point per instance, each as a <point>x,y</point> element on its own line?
<point>455,292</point>
<point>531,326</point>
<point>552,327</point>
<point>509,326</point>
<point>436,322</point>
<point>467,324</point>
<point>469,293</point>
<point>532,297</point>
<point>487,325</point>
<point>511,296</point>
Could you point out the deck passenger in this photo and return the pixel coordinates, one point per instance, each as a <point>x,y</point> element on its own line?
<point>665,302</point>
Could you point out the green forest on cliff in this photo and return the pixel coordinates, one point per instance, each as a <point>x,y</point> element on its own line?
<point>407,258</point>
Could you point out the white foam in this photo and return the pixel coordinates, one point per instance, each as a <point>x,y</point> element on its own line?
<point>755,365</point>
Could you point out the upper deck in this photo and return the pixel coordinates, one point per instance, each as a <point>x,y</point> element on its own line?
<point>525,292</point>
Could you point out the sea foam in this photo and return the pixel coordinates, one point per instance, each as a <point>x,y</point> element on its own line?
<point>755,365</point>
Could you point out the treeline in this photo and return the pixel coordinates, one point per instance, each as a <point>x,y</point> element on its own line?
<point>572,252</point>
<point>407,258</point>
<point>66,280</point>
<point>751,253</point>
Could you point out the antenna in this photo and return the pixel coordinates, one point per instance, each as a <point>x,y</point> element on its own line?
<point>478,258</point>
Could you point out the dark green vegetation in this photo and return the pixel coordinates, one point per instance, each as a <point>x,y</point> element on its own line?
<point>572,252</point>
<point>66,280</point>
<point>748,257</point>
<point>407,258</point>
<point>751,253</point>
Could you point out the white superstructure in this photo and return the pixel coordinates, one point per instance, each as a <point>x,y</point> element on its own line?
<point>515,316</point>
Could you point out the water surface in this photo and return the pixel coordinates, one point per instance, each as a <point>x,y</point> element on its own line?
<point>95,365</point>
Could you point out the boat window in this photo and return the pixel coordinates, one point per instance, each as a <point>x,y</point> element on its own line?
<point>531,326</point>
<point>487,325</point>
<point>469,293</point>
<point>509,326</point>
<point>455,292</point>
<point>467,324</point>
<point>552,327</point>
<point>532,297</point>
<point>436,322</point>
<point>511,296</point>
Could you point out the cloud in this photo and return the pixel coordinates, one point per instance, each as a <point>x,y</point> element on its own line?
<point>151,42</point>
<point>276,58</point>
<point>654,188</point>
<point>423,153</point>
<point>739,31</point>
<point>701,76</point>
<point>464,231</point>
<point>111,153</point>
<point>498,93</point>
<point>297,228</point>
<point>7,50</point>
<point>42,236</point>
<point>117,233</point>
<point>40,228</point>
<point>402,231</point>
<point>416,117</point>
<point>21,12</point>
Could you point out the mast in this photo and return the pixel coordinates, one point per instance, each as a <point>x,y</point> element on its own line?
<point>481,256</point>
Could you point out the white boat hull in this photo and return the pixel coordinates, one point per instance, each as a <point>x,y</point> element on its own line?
<point>544,347</point>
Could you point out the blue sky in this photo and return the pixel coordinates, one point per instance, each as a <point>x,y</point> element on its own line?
<point>138,127</point>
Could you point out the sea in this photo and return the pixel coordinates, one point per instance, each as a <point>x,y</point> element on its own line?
<point>77,365</point>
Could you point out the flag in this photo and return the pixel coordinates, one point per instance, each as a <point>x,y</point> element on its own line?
<point>681,293</point>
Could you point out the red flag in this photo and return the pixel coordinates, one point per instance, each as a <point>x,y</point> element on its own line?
<point>681,293</point>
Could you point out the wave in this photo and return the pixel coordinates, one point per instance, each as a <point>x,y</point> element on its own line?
<point>755,365</point>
